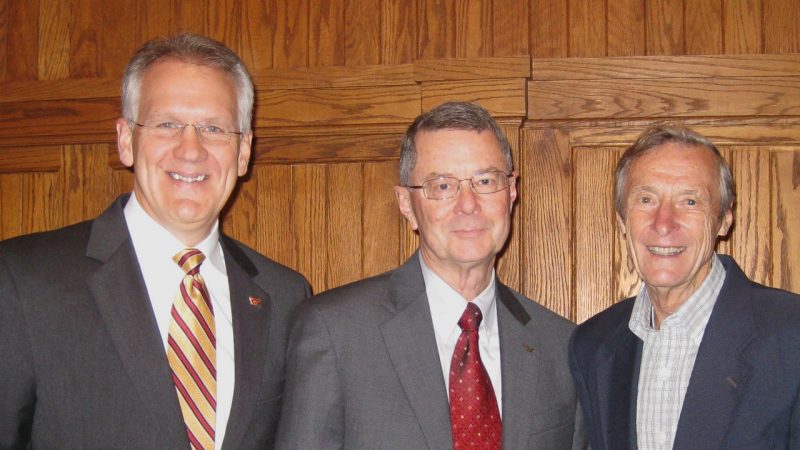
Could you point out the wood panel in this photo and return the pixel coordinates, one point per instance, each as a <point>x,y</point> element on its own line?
<point>786,218</point>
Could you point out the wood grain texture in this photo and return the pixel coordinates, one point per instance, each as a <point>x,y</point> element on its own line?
<point>335,76</point>
<point>742,26</point>
<point>626,28</point>
<point>398,32</point>
<point>781,26</point>
<point>663,98</point>
<point>224,22</point>
<point>549,29</point>
<point>338,106</point>
<point>72,179</point>
<point>462,69</point>
<point>593,229</point>
<point>118,41</point>
<point>4,31</point>
<point>362,33</point>
<point>276,237</point>
<point>329,147</point>
<point>785,169</point>
<point>84,40</point>
<point>58,118</point>
<point>473,28</point>
<point>22,56</point>
<point>344,223</point>
<point>309,223</point>
<point>502,98</point>
<point>436,29</point>
<point>665,67</point>
<point>96,179</point>
<point>509,264</point>
<point>703,27</point>
<point>546,212</point>
<point>241,214</point>
<point>71,89</point>
<point>381,220</point>
<point>291,43</point>
<point>587,27</point>
<point>665,27</point>
<point>55,17</point>
<point>154,20</point>
<point>327,33</point>
<point>258,23</point>
<point>510,28</point>
<point>30,159</point>
<point>188,16</point>
<point>11,204</point>
<point>751,245</point>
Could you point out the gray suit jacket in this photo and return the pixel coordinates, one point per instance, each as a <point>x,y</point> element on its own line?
<point>83,365</point>
<point>363,371</point>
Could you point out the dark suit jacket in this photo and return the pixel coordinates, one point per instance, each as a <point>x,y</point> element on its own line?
<point>82,364</point>
<point>363,371</point>
<point>743,392</point>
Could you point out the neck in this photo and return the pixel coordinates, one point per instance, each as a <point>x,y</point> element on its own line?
<point>468,280</point>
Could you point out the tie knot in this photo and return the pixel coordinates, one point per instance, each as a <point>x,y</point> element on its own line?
<point>471,319</point>
<point>189,259</point>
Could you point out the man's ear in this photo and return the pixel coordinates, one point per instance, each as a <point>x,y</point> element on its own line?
<point>245,149</point>
<point>125,142</point>
<point>725,223</point>
<point>621,224</point>
<point>404,203</point>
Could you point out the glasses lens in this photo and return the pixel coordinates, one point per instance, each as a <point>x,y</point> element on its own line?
<point>440,188</point>
<point>489,182</point>
<point>214,134</point>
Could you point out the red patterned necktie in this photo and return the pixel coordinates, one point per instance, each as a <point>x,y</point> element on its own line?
<point>474,416</point>
<point>192,353</point>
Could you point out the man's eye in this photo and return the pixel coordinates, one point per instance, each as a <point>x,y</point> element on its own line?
<point>169,126</point>
<point>213,129</point>
<point>443,187</point>
<point>691,202</point>
<point>644,200</point>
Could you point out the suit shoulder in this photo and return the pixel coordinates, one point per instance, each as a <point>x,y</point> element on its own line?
<point>358,293</point>
<point>56,245</point>
<point>597,329</point>
<point>265,264</point>
<point>775,308</point>
<point>542,315</point>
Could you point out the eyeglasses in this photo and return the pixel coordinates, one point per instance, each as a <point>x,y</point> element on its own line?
<point>210,134</point>
<point>443,188</point>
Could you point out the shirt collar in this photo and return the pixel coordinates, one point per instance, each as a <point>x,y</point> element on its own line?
<point>447,305</point>
<point>163,244</point>
<point>691,317</point>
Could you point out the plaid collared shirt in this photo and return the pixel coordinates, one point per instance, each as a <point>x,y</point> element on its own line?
<point>668,357</point>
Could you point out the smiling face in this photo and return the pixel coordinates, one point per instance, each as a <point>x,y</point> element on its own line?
<point>467,230</point>
<point>183,183</point>
<point>672,218</point>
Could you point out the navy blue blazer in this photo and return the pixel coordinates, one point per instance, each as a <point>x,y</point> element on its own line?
<point>743,391</point>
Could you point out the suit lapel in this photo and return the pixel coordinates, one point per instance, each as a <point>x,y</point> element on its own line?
<point>251,336</point>
<point>121,297</point>
<point>520,366</point>
<point>411,344</point>
<point>721,369</point>
<point>619,371</point>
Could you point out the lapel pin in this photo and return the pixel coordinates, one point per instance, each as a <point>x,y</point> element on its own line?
<point>255,301</point>
<point>528,348</point>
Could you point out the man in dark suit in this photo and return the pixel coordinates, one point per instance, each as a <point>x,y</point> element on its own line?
<point>97,349</point>
<point>702,357</point>
<point>438,353</point>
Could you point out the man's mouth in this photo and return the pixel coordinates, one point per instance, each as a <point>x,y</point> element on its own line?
<point>666,251</point>
<point>185,179</point>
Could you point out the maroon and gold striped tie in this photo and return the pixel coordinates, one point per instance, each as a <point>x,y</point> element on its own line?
<point>192,352</point>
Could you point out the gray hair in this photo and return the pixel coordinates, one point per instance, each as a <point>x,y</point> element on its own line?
<point>453,116</point>
<point>662,134</point>
<point>192,48</point>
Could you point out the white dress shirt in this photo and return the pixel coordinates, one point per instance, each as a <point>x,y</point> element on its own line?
<point>446,307</point>
<point>155,247</point>
<point>668,356</point>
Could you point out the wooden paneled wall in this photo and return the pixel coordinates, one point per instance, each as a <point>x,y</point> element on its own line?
<point>572,81</point>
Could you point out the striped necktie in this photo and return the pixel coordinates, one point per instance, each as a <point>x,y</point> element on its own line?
<point>192,353</point>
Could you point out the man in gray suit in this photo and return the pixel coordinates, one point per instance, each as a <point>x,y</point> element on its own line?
<point>97,350</point>
<point>438,353</point>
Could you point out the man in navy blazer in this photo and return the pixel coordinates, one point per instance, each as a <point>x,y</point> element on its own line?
<point>702,357</point>
<point>85,310</point>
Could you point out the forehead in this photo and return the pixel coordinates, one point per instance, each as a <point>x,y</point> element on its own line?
<point>676,164</point>
<point>173,79</point>
<point>453,150</point>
